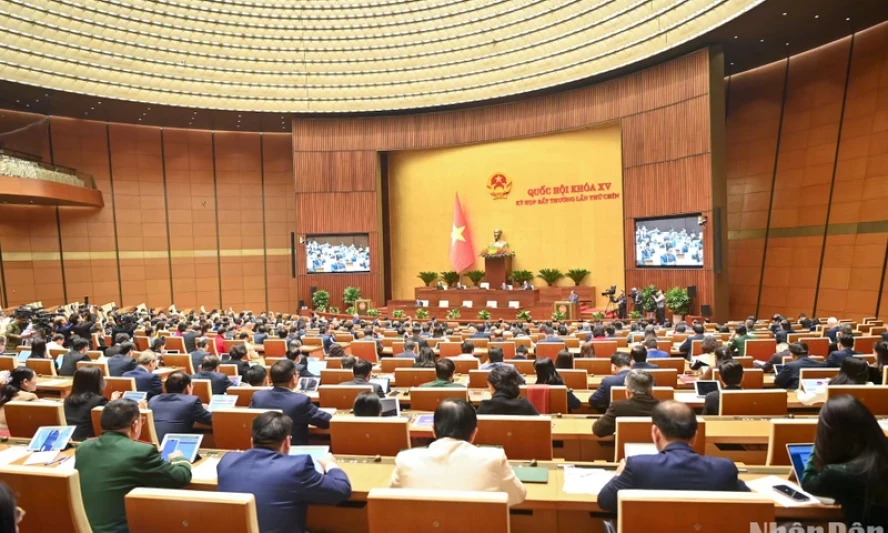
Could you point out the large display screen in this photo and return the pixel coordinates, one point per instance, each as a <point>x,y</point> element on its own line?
<point>337,253</point>
<point>675,242</point>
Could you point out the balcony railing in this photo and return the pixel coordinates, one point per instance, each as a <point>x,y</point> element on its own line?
<point>19,165</point>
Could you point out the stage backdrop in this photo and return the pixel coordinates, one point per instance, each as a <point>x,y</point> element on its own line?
<point>564,208</point>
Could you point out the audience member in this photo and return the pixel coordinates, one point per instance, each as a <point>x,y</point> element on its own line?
<point>564,360</point>
<point>256,376</point>
<point>639,356</point>
<point>297,406</point>
<point>239,357</point>
<point>620,366</point>
<point>177,410</point>
<point>546,374</point>
<point>409,350</point>
<point>20,388</point>
<point>846,343</point>
<point>122,361</point>
<point>367,404</point>
<point>197,356</point>
<point>78,353</point>
<point>495,358</point>
<point>504,383</point>
<point>362,371</point>
<point>653,350</point>
<point>86,394</point>
<point>444,369</point>
<point>788,377</point>
<point>146,380</point>
<point>730,373</point>
<point>426,358</point>
<point>209,370</point>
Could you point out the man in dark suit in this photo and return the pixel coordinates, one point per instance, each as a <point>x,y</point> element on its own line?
<point>362,371</point>
<point>639,402</point>
<point>146,379</point>
<point>119,339</point>
<point>480,332</point>
<point>219,382</point>
<point>846,343</point>
<point>188,339</point>
<point>77,354</point>
<point>297,406</point>
<point>677,466</point>
<point>283,484</point>
<point>197,356</point>
<point>619,368</point>
<point>178,409</point>
<point>122,362</point>
<point>832,329</point>
<point>788,378</point>
<point>238,354</point>
<point>115,463</point>
<point>698,335</point>
<point>327,338</point>
<point>409,349</point>
<point>549,335</point>
<point>782,334</point>
<point>639,358</point>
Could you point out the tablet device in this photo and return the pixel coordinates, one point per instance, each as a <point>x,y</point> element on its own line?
<point>631,449</point>
<point>382,382</point>
<point>390,406</point>
<point>799,454</point>
<point>222,401</point>
<point>308,384</point>
<point>23,356</point>
<point>315,452</point>
<point>235,380</point>
<point>314,366</point>
<point>778,368</point>
<point>135,396</point>
<point>704,387</point>
<point>51,438</point>
<point>186,443</point>
<point>813,385</point>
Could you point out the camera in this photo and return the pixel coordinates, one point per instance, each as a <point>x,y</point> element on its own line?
<point>611,291</point>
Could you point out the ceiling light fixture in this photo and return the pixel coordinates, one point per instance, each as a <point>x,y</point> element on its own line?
<point>817,16</point>
<point>784,13</point>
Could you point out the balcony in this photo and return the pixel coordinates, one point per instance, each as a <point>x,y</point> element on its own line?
<point>25,180</point>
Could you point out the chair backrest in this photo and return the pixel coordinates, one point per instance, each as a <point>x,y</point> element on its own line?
<point>753,378</point>
<point>233,428</point>
<point>480,343</point>
<point>228,369</point>
<point>397,347</point>
<point>464,366</point>
<point>389,364</point>
<point>333,363</point>
<point>335,376</point>
<point>42,367</point>
<point>149,433</point>
<point>664,377</point>
<point>637,429</point>
<point>508,348</point>
<point>340,396</point>
<point>761,402</point>
<point>761,349</point>
<point>428,398</point>
<point>369,435</point>
<point>478,379</point>
<point>522,437</point>
<point>660,393</point>
<point>574,378</point>
<point>101,365</point>
<point>788,431</point>
<point>178,511</point>
<point>556,398</point>
<point>24,418</point>
<point>745,362</point>
<point>180,361</point>
<point>229,344</point>
<point>120,384</point>
<point>54,353</point>
<point>275,347</point>
<point>594,365</point>
<point>203,389</point>
<point>875,398</point>
<point>642,511</point>
<point>8,362</point>
<point>696,347</point>
<point>665,345</point>
<point>885,375</point>
<point>413,377</point>
<point>549,349</point>
<point>818,373</point>
<point>141,342</point>
<point>50,496</point>
<point>449,349</point>
<point>816,345</point>
<point>675,363</point>
<point>94,355</point>
<point>244,394</point>
<point>365,350</point>
<point>523,366</point>
<point>865,344</point>
<point>448,510</point>
<point>604,348</point>
<point>178,344</point>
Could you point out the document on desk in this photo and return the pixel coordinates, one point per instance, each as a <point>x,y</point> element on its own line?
<point>41,458</point>
<point>585,480</point>
<point>12,454</point>
<point>206,471</point>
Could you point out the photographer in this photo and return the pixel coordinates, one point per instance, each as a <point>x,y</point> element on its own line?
<point>621,305</point>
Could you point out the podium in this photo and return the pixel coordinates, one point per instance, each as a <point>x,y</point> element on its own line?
<point>497,270</point>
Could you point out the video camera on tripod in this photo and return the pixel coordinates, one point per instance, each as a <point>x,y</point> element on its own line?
<point>610,293</point>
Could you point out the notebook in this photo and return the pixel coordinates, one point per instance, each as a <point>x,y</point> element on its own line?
<point>531,474</point>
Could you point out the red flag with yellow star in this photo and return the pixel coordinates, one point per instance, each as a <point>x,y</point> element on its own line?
<point>462,251</point>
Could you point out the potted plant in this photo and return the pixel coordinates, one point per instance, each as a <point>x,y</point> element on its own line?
<point>524,315</point>
<point>320,300</point>
<point>373,313</point>
<point>577,275</point>
<point>453,314</point>
<point>648,294</point>
<point>550,276</point>
<point>428,277</point>
<point>422,314</point>
<point>350,310</point>
<point>558,316</point>
<point>333,309</point>
<point>450,277</point>
<point>678,301</point>
<point>351,295</point>
<point>635,315</point>
<point>476,276</point>
<point>397,313</point>
<point>598,316</point>
<point>520,276</point>
<point>484,314</point>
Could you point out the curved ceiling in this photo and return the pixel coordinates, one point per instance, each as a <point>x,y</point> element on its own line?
<point>336,55</point>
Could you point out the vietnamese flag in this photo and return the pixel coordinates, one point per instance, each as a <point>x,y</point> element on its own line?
<point>462,252</point>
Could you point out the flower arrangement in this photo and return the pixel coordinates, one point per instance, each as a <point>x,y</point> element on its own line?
<point>422,314</point>
<point>496,252</point>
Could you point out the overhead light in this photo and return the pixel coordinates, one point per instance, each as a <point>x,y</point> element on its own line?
<point>784,13</point>
<point>847,19</point>
<point>761,40</point>
<point>735,36</point>
<point>732,64</point>
<point>817,16</point>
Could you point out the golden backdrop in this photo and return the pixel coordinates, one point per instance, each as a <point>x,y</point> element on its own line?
<point>564,209</point>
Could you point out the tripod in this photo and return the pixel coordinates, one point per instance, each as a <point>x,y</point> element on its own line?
<point>611,308</point>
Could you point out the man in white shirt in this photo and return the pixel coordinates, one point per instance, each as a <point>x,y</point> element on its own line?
<point>452,462</point>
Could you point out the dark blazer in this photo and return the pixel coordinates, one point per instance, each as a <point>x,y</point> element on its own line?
<point>177,413</point>
<point>242,366</point>
<point>296,406</point>
<point>500,404</point>
<point>407,354</point>
<point>197,357</point>
<point>69,362</point>
<point>80,417</point>
<point>145,381</point>
<point>836,358</point>
<point>644,366</point>
<point>781,336</point>
<point>376,387</point>
<point>640,405</point>
<point>119,364</point>
<point>112,350</point>
<point>677,467</point>
<point>832,333</point>
<point>283,486</point>
<point>685,347</point>
<point>551,338</point>
<point>713,400</point>
<point>188,339</point>
<point>788,378</point>
<point>219,382</point>
<point>601,398</point>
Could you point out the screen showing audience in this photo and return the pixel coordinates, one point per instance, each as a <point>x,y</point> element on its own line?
<point>337,253</point>
<point>669,242</point>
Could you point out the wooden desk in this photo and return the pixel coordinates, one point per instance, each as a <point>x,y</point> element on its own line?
<point>478,297</point>
<point>54,387</point>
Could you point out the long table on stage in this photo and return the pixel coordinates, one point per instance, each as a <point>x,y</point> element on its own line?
<point>478,297</point>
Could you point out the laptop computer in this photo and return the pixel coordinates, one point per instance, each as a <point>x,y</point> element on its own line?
<point>382,382</point>
<point>221,401</point>
<point>315,366</point>
<point>23,356</point>
<point>51,438</point>
<point>813,385</point>
<point>235,380</point>
<point>390,406</point>
<point>704,387</point>
<point>186,443</point>
<point>798,455</point>
<point>778,368</point>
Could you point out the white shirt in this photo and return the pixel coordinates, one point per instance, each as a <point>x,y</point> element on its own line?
<point>451,464</point>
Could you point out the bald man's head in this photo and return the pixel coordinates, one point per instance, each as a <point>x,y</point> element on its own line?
<point>675,421</point>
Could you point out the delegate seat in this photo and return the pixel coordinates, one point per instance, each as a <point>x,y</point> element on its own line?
<point>763,402</point>
<point>753,378</point>
<point>643,511</point>
<point>413,377</point>
<point>24,418</point>
<point>233,428</point>
<point>340,396</point>
<point>50,496</point>
<point>523,438</point>
<point>244,394</point>
<point>369,436</point>
<point>445,510</point>
<point>149,434</point>
<point>637,429</point>
<point>179,511</point>
<point>428,398</point>
<point>788,431</point>
<point>120,384</point>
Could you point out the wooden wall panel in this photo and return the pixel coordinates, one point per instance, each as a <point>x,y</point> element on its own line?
<point>665,116</point>
<point>280,219</point>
